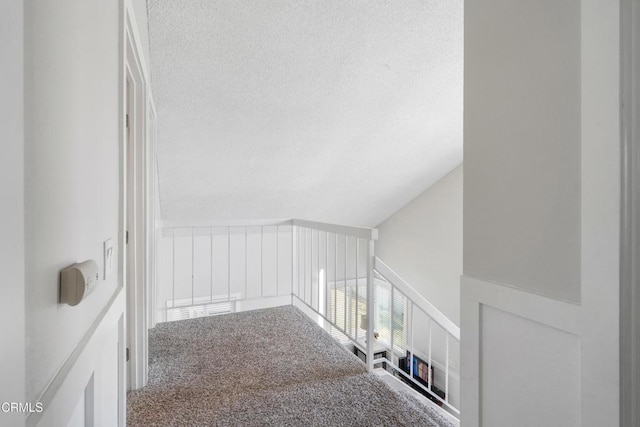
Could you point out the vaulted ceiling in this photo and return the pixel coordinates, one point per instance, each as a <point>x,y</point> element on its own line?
<point>331,110</point>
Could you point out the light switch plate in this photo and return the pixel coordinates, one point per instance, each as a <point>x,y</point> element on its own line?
<point>108,258</point>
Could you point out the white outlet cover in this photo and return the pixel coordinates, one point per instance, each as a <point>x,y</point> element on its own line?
<point>108,258</point>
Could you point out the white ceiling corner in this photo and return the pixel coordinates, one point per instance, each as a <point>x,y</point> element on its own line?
<point>332,110</point>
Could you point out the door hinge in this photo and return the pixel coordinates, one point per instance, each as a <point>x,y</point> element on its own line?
<point>127,354</point>
<point>126,237</point>
<point>126,120</point>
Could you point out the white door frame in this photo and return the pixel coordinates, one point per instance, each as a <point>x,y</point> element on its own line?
<point>135,216</point>
<point>152,215</point>
<point>630,221</point>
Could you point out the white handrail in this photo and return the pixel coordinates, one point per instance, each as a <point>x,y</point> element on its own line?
<point>361,232</point>
<point>420,301</point>
<point>171,223</point>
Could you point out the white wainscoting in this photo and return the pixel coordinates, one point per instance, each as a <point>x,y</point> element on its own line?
<point>520,358</point>
<point>89,388</point>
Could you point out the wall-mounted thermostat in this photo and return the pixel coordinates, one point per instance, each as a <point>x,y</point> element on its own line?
<point>77,281</point>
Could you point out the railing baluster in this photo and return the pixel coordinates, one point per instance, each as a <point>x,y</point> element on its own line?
<point>292,263</point>
<point>299,241</point>
<point>310,267</point>
<point>277,258</point>
<point>335,279</point>
<point>357,299</point>
<point>411,329</point>
<point>370,304</point>
<point>211,259</point>
<point>246,291</point>
<point>299,252</point>
<point>393,321</point>
<point>326,273</point>
<point>318,231</point>
<point>173,269</point>
<point>193,257</point>
<point>299,262</point>
<point>303,253</point>
<point>345,283</point>
<point>261,261</point>
<point>228,263</point>
<point>446,374</point>
<point>303,276</point>
<point>304,266</point>
<point>429,378</point>
<point>310,246</point>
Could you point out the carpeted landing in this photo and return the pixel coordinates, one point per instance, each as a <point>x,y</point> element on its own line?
<point>271,367</point>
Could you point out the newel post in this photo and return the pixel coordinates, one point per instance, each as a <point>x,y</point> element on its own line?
<point>370,303</point>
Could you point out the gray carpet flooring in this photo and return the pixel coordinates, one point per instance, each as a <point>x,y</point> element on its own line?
<point>271,367</point>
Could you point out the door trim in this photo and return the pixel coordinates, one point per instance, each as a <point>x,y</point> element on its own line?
<point>135,69</point>
<point>630,214</point>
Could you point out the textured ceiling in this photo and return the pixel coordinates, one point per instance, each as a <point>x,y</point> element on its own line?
<point>331,110</point>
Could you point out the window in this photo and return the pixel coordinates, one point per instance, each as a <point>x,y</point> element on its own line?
<point>390,320</point>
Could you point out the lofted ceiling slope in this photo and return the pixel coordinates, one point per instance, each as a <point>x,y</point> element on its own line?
<point>331,110</point>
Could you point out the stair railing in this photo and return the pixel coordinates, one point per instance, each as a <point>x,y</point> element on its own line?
<point>419,324</point>
<point>334,265</point>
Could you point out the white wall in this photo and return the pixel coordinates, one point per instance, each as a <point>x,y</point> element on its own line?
<point>522,144</point>
<point>600,211</point>
<point>12,364</point>
<point>422,242</point>
<point>541,220</point>
<point>71,168</point>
